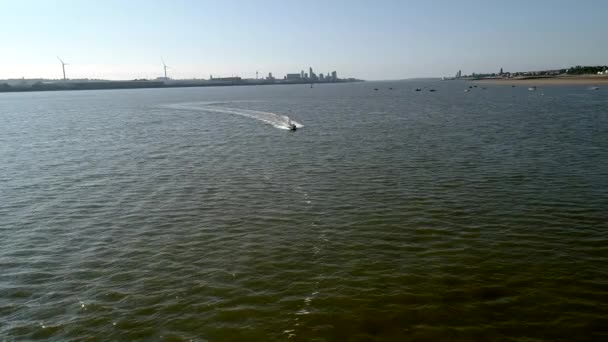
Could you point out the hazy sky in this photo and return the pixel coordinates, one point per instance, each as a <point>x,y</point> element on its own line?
<point>365,39</point>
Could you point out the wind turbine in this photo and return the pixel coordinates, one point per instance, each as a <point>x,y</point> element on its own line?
<point>164,67</point>
<point>63,64</point>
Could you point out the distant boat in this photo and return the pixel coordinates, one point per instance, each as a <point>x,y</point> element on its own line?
<point>467,90</point>
<point>532,88</point>
<point>376,89</point>
<point>418,89</point>
<point>390,88</point>
<point>432,90</point>
<point>594,88</point>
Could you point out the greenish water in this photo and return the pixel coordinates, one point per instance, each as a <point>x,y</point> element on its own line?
<point>188,214</point>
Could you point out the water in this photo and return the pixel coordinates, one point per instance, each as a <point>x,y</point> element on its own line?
<point>187,214</point>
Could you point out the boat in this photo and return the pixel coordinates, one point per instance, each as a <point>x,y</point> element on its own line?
<point>291,126</point>
<point>418,89</point>
<point>595,88</point>
<point>467,90</point>
<point>432,90</point>
<point>532,88</point>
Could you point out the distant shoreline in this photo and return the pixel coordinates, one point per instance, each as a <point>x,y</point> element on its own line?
<point>557,80</point>
<point>107,85</point>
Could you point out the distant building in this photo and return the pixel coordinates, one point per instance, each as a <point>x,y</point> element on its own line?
<point>294,77</point>
<point>302,75</point>
<point>312,75</point>
<point>321,78</point>
<point>334,75</point>
<point>270,77</point>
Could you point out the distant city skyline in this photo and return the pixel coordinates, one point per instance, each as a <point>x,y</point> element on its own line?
<point>369,40</point>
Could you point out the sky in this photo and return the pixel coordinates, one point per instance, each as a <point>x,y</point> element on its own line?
<point>373,40</point>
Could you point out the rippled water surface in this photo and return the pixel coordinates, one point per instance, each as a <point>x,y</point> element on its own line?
<point>192,214</point>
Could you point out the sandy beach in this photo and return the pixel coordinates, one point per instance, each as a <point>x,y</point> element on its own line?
<point>565,80</point>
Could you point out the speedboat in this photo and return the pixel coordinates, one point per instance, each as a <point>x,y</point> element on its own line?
<point>291,126</point>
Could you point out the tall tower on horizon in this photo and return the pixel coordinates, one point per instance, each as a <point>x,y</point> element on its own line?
<point>63,64</point>
<point>312,75</point>
<point>165,66</point>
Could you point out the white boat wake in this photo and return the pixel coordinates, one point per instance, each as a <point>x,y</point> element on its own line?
<point>277,120</point>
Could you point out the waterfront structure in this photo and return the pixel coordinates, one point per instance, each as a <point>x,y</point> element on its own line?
<point>311,77</point>
<point>294,77</point>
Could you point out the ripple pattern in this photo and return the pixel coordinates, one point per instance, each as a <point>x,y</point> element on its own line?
<point>394,216</point>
